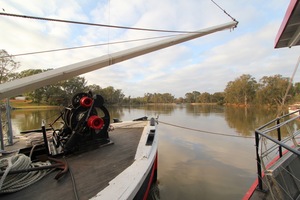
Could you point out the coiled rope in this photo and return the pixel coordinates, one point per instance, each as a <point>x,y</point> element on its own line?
<point>15,182</point>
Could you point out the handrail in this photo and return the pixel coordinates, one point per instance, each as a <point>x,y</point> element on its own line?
<point>278,118</point>
<point>263,133</point>
<point>280,143</point>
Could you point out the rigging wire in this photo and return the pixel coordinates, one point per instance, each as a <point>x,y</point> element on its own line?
<point>86,46</point>
<point>102,25</point>
<point>280,109</point>
<point>94,24</point>
<point>224,11</point>
<point>203,131</point>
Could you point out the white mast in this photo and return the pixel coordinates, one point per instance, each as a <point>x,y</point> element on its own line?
<point>33,82</point>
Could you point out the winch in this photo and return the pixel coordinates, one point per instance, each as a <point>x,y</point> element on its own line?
<point>86,123</point>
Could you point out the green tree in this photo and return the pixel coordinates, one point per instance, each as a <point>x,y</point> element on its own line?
<point>218,97</point>
<point>148,98</point>
<point>53,95</point>
<point>112,95</point>
<point>118,96</point>
<point>272,90</point>
<point>30,72</point>
<point>204,98</point>
<point>95,89</point>
<point>7,66</point>
<point>192,97</point>
<point>297,88</point>
<point>70,87</point>
<point>37,95</point>
<point>241,91</point>
<point>168,98</point>
<point>180,100</point>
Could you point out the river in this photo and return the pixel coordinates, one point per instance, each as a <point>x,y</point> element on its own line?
<point>203,152</point>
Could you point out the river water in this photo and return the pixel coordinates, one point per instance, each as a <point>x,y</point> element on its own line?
<point>195,160</point>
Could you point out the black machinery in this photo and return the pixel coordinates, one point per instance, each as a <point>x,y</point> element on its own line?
<point>86,124</point>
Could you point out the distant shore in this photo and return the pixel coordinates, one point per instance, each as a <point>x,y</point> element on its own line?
<point>25,104</point>
<point>28,104</point>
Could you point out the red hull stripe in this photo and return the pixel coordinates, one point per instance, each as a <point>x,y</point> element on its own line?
<point>151,178</point>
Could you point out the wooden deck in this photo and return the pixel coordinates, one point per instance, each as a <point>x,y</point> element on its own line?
<point>92,170</point>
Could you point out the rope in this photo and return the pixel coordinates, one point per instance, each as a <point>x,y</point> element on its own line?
<point>276,186</point>
<point>93,24</point>
<point>208,132</point>
<point>73,180</point>
<point>224,11</point>
<point>280,109</point>
<point>9,166</point>
<point>16,182</point>
<point>87,46</point>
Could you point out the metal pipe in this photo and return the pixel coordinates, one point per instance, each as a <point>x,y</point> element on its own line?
<point>1,133</point>
<point>9,128</point>
<point>279,143</point>
<point>274,120</point>
<point>45,137</point>
<point>279,139</point>
<point>259,174</point>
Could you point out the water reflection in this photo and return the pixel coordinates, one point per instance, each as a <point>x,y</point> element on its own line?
<point>246,120</point>
<point>27,119</point>
<point>192,165</point>
<point>200,166</point>
<point>203,109</point>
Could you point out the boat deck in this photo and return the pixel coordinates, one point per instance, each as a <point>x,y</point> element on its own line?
<point>91,170</point>
<point>282,180</point>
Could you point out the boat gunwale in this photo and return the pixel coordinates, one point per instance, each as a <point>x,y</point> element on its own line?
<point>144,162</point>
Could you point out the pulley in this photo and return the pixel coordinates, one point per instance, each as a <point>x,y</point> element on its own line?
<point>95,122</point>
<point>86,102</point>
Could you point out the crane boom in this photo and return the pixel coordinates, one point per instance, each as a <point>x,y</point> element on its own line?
<point>33,82</point>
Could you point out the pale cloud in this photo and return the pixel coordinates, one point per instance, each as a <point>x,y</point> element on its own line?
<point>206,64</point>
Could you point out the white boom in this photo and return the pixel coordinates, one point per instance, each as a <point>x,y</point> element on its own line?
<point>33,82</point>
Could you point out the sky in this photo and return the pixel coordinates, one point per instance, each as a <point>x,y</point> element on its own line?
<point>205,64</point>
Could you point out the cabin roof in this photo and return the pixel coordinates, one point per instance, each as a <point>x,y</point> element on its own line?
<point>289,31</point>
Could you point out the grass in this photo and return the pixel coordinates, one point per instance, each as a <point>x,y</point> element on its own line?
<point>21,104</point>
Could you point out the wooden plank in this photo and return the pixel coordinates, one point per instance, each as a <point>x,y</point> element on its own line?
<point>92,170</point>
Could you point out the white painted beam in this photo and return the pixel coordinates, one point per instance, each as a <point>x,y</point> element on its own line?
<point>33,82</point>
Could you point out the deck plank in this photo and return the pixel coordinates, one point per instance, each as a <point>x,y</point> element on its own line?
<point>92,170</point>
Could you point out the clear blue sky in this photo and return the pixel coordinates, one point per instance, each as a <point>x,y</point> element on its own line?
<point>206,64</point>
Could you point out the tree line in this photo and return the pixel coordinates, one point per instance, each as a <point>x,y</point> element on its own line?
<point>244,90</point>
<point>62,92</point>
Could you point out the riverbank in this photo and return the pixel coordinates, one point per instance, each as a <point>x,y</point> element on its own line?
<point>25,104</point>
